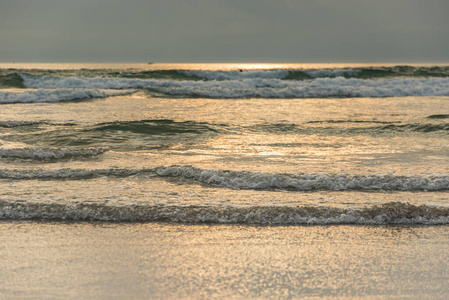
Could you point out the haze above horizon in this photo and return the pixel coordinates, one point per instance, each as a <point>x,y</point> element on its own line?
<point>205,31</point>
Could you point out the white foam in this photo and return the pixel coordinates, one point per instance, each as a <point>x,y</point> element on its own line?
<point>49,153</point>
<point>252,180</point>
<point>55,95</point>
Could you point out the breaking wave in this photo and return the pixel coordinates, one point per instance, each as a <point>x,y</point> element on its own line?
<point>389,213</point>
<point>244,88</point>
<point>282,83</point>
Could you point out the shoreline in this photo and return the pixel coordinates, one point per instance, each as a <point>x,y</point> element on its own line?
<point>168,261</point>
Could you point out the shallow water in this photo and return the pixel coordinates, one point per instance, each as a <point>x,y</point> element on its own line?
<point>169,261</point>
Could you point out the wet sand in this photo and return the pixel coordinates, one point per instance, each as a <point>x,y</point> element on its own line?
<point>171,261</point>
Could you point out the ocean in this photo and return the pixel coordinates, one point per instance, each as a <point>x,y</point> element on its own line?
<point>255,157</point>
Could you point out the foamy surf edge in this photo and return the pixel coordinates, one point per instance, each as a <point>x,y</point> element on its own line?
<point>50,153</point>
<point>393,213</point>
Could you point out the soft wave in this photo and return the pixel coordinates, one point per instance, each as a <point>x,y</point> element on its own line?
<point>307,182</point>
<point>130,135</point>
<point>161,127</point>
<point>281,128</point>
<point>253,180</point>
<point>46,95</point>
<point>389,213</point>
<point>74,174</point>
<point>12,124</point>
<point>438,117</point>
<point>48,153</point>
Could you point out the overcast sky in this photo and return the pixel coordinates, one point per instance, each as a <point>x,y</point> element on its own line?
<point>224,31</point>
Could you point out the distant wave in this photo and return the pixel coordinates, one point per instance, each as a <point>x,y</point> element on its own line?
<point>280,83</point>
<point>257,87</point>
<point>253,180</point>
<point>48,153</point>
<point>55,95</point>
<point>237,75</point>
<point>338,87</point>
<point>389,213</point>
<point>305,74</point>
<point>10,77</point>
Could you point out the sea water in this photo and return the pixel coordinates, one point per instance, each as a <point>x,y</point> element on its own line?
<point>247,144</point>
<point>242,144</point>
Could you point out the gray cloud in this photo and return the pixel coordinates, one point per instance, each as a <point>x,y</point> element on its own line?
<point>224,31</point>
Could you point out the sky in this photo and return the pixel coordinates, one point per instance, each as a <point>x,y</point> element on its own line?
<point>269,31</point>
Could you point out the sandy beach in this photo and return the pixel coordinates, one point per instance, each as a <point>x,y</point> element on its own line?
<point>170,261</point>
